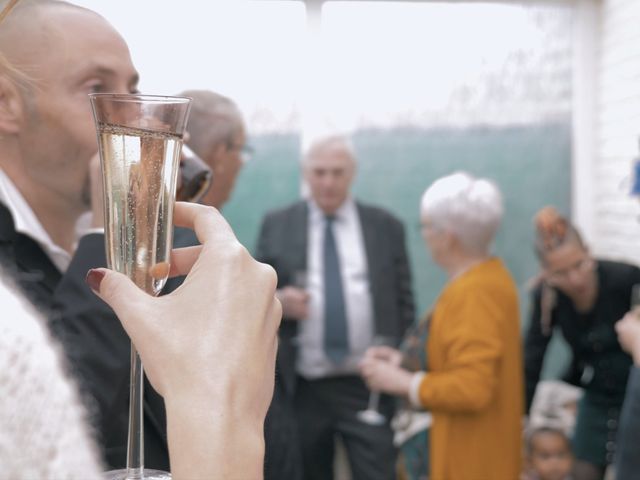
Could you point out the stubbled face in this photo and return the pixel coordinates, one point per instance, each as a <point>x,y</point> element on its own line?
<point>550,456</point>
<point>226,162</point>
<point>570,269</point>
<point>75,54</point>
<point>329,173</point>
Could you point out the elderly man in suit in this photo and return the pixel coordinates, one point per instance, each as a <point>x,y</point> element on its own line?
<point>357,287</point>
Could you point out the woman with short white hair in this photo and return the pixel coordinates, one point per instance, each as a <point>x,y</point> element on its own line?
<point>467,209</point>
<point>471,379</point>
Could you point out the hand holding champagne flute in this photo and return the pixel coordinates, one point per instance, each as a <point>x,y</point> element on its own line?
<point>139,139</point>
<point>209,349</point>
<point>371,415</point>
<point>294,297</point>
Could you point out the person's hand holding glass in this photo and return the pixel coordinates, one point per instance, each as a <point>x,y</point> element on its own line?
<point>209,349</point>
<point>139,139</point>
<point>378,354</point>
<point>294,297</point>
<point>380,368</point>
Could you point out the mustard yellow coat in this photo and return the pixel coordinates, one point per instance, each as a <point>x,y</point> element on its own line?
<point>474,386</point>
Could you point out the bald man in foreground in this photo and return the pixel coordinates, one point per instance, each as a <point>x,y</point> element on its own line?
<point>47,136</point>
<point>57,54</point>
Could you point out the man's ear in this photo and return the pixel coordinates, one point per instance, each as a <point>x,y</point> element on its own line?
<point>218,158</point>
<point>11,106</point>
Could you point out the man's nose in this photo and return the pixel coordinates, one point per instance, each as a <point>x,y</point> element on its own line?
<point>328,180</point>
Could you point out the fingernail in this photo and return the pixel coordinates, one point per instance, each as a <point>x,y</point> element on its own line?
<point>94,278</point>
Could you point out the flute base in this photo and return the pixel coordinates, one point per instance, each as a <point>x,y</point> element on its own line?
<point>371,417</point>
<point>146,474</point>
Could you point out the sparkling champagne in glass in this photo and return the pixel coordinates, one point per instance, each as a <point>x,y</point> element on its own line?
<point>139,139</point>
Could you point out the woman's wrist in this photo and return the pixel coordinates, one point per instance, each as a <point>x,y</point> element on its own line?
<point>224,441</point>
<point>414,388</point>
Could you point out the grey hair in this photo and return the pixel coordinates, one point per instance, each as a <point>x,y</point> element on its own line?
<point>470,208</point>
<point>334,141</point>
<point>214,119</point>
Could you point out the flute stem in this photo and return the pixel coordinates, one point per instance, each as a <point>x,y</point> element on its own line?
<point>374,399</point>
<point>135,440</point>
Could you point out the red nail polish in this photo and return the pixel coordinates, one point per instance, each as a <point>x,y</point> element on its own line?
<point>94,278</point>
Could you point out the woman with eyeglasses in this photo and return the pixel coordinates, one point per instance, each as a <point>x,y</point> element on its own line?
<point>470,376</point>
<point>584,298</point>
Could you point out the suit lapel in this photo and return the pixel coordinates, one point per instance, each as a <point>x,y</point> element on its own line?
<point>371,239</point>
<point>26,261</point>
<point>296,246</point>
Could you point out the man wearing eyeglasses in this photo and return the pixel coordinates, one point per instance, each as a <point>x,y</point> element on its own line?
<point>217,135</point>
<point>345,284</point>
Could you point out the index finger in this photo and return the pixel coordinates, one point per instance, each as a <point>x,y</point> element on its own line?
<point>207,222</point>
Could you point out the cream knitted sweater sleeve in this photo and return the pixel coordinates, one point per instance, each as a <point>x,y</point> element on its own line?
<point>43,432</point>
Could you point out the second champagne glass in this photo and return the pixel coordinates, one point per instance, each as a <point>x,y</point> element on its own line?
<point>371,416</point>
<point>139,139</point>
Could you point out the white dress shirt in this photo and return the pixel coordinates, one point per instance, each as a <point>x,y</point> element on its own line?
<point>27,223</point>
<point>312,360</point>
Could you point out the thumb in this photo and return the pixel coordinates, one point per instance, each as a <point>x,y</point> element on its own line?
<point>118,291</point>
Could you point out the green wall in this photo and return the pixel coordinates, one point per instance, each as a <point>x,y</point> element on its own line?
<point>531,165</point>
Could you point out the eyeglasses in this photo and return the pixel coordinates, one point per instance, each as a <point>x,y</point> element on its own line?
<point>426,228</point>
<point>246,151</point>
<point>583,265</point>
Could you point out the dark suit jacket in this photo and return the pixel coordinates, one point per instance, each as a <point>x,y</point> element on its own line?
<point>25,263</point>
<point>627,458</point>
<point>96,346</point>
<point>283,244</point>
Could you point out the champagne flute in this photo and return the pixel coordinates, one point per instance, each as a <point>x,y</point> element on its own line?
<point>299,279</point>
<point>139,139</point>
<point>371,416</point>
<point>194,177</point>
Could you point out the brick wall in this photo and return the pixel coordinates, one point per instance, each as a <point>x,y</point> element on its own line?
<point>607,132</point>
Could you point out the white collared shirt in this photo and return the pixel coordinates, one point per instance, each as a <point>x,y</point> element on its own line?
<point>27,223</point>
<point>312,360</point>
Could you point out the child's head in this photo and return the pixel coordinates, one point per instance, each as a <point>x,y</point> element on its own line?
<point>549,453</point>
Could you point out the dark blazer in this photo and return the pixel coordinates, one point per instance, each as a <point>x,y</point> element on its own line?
<point>283,244</point>
<point>95,344</point>
<point>25,263</point>
<point>627,458</point>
